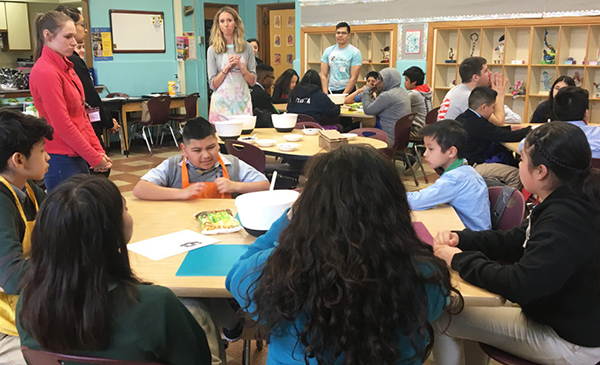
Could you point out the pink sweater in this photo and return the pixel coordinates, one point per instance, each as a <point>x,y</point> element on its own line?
<point>58,96</point>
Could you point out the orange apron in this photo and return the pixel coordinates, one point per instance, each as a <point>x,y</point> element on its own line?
<point>211,191</point>
<point>8,303</point>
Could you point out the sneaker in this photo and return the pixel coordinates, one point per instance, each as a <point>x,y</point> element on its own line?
<point>235,333</point>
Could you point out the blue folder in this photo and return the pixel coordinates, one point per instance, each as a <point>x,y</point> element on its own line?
<point>211,260</point>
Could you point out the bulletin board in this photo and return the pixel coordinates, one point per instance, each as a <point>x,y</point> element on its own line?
<point>137,31</point>
<point>282,30</point>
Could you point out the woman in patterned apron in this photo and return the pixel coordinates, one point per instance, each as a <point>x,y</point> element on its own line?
<point>231,67</point>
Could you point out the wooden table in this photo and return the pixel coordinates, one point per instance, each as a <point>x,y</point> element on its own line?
<point>308,145</point>
<point>134,104</point>
<point>514,146</point>
<point>153,219</point>
<point>344,112</point>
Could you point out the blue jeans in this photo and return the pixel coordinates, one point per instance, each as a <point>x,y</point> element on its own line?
<point>62,167</point>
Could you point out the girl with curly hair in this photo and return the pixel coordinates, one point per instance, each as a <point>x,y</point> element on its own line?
<point>341,277</point>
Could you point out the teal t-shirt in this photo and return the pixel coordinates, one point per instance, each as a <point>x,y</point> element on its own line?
<point>340,60</point>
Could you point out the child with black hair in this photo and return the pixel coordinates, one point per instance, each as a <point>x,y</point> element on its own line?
<point>460,185</point>
<point>548,265</point>
<point>420,96</point>
<point>201,171</point>
<point>262,105</point>
<point>480,131</point>
<point>23,158</point>
<point>371,81</point>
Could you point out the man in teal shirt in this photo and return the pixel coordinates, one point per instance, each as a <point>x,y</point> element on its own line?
<point>340,63</point>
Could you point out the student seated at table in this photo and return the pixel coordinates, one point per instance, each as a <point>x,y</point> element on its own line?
<point>460,185</point>
<point>22,159</point>
<point>571,105</point>
<point>342,277</point>
<point>262,106</point>
<point>308,98</point>
<point>80,296</point>
<point>392,101</point>
<point>481,133</point>
<point>549,265</point>
<point>285,83</point>
<point>205,173</point>
<point>420,96</point>
<point>371,81</point>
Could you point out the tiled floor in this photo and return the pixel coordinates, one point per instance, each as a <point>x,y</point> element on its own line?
<point>127,171</point>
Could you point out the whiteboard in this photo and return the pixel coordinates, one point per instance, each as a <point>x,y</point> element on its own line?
<point>137,31</point>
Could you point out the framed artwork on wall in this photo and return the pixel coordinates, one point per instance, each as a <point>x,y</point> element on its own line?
<point>412,44</point>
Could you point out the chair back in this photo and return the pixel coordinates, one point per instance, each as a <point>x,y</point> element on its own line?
<point>114,95</point>
<point>431,117</point>
<point>37,357</point>
<point>596,163</point>
<point>503,357</point>
<point>301,125</point>
<point>247,152</point>
<point>191,106</point>
<point>306,118</point>
<point>159,108</point>
<point>514,212</point>
<point>402,131</point>
<point>371,133</point>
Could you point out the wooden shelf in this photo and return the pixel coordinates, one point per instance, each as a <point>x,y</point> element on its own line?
<point>515,65</point>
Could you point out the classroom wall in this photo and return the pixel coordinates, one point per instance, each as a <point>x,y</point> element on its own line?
<point>131,73</point>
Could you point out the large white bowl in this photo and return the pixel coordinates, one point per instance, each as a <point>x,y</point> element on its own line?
<point>257,211</point>
<point>284,122</point>
<point>337,99</point>
<point>229,129</point>
<point>249,122</point>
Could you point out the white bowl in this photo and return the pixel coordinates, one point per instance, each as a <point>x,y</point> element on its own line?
<point>258,211</point>
<point>292,137</point>
<point>229,129</point>
<point>265,142</point>
<point>284,122</point>
<point>248,139</point>
<point>350,135</point>
<point>311,131</point>
<point>249,122</point>
<point>287,146</point>
<point>337,99</point>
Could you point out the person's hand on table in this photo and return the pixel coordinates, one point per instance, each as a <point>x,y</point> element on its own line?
<point>446,253</point>
<point>192,191</point>
<point>225,185</point>
<point>115,128</point>
<point>446,238</point>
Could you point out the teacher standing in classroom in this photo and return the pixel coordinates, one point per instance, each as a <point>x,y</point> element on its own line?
<point>340,63</point>
<point>231,67</point>
<point>59,97</point>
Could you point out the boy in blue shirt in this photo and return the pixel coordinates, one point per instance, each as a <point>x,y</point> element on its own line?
<point>460,185</point>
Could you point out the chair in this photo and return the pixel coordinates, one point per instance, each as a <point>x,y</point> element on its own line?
<point>247,152</point>
<point>514,212</point>
<point>431,116</point>
<point>115,95</point>
<point>306,118</point>
<point>596,163</point>
<point>191,109</point>
<point>371,133</point>
<point>402,138</point>
<point>504,357</point>
<point>301,125</point>
<point>158,109</point>
<point>38,357</point>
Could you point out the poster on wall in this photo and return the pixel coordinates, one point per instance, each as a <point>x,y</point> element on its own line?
<point>277,41</point>
<point>277,59</point>
<point>191,36</point>
<point>102,44</point>
<point>413,41</point>
<point>182,48</point>
<point>289,59</point>
<point>277,21</point>
<point>290,22</point>
<point>290,40</point>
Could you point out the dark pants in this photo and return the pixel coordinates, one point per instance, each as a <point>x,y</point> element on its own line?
<point>62,167</point>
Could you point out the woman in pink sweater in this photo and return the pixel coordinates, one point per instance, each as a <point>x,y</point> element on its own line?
<point>58,96</point>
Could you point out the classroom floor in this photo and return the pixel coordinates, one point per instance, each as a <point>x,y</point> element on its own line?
<point>127,171</point>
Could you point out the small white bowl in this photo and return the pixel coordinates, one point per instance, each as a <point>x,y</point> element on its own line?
<point>292,137</point>
<point>310,131</point>
<point>287,146</point>
<point>350,135</point>
<point>265,142</point>
<point>248,139</point>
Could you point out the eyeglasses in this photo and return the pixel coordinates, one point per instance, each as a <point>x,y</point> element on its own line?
<point>83,24</point>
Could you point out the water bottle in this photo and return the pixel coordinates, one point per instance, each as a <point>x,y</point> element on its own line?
<point>177,85</point>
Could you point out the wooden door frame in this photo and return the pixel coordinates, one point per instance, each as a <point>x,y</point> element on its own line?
<point>262,27</point>
<point>89,54</point>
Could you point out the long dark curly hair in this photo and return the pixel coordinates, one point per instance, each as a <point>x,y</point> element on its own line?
<point>351,265</point>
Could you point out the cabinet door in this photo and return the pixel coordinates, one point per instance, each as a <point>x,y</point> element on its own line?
<point>17,21</point>
<point>2,16</point>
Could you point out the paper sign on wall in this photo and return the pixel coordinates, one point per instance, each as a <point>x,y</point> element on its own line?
<point>191,44</point>
<point>102,44</point>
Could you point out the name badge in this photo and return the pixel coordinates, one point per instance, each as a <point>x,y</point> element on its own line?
<point>342,69</point>
<point>93,114</point>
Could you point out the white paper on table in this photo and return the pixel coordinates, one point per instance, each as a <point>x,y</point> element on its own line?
<point>172,244</point>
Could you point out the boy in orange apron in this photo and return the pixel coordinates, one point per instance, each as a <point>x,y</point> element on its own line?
<point>201,171</point>
<point>22,159</point>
